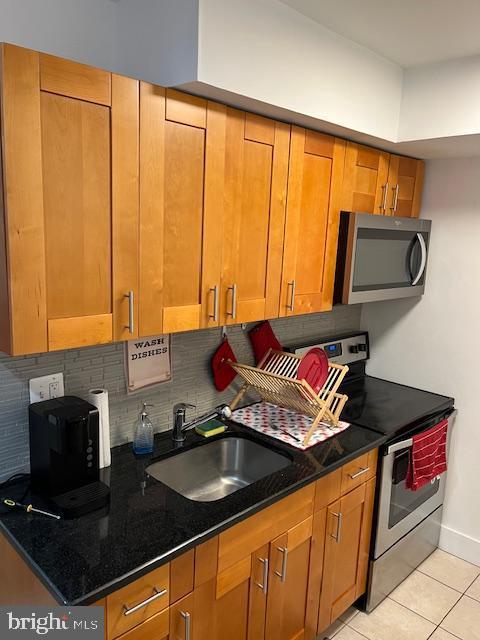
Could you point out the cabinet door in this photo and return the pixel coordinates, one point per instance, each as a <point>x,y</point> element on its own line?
<point>233,605</point>
<point>405,179</point>
<point>288,583</point>
<point>365,187</point>
<point>348,529</point>
<point>311,228</point>
<point>181,179</point>
<point>70,151</point>
<point>256,168</point>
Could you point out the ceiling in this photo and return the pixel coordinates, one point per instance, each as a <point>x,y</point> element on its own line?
<point>408,32</point>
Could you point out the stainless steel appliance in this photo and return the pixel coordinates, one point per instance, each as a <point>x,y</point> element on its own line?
<point>406,523</point>
<point>380,257</point>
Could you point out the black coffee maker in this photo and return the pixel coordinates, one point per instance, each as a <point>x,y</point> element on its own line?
<point>64,455</point>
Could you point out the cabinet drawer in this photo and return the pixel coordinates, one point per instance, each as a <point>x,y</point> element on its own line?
<point>138,601</point>
<point>158,627</point>
<point>243,539</point>
<point>358,471</point>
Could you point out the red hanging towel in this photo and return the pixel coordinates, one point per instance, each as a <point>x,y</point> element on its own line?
<point>223,374</point>
<point>428,458</point>
<point>263,339</point>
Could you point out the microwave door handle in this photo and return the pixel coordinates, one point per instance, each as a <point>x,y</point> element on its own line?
<point>399,446</point>
<point>423,260</point>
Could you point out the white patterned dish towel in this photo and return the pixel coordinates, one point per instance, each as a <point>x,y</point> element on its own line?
<point>284,424</point>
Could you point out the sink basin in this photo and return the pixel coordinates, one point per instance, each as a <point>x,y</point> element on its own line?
<point>215,470</point>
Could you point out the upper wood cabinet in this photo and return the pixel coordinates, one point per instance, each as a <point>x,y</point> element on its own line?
<point>405,184</point>
<point>254,197</point>
<point>378,182</point>
<point>181,167</point>
<point>311,229</point>
<point>365,179</point>
<point>70,165</point>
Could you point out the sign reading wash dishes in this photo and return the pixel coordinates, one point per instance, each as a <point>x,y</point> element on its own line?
<point>147,362</point>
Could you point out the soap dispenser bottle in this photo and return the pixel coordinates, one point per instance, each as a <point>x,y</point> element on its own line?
<point>143,437</point>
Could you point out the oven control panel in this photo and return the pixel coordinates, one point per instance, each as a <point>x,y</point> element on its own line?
<point>343,349</point>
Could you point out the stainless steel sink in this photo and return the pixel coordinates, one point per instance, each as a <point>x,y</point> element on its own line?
<point>214,470</point>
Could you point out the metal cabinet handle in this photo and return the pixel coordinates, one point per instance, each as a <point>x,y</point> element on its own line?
<point>393,208</point>
<point>131,324</point>
<point>338,533</point>
<point>233,312</point>
<point>283,571</point>
<point>188,623</point>
<point>383,206</point>
<point>264,586</point>
<point>293,285</point>
<point>215,303</point>
<point>127,611</point>
<point>363,470</point>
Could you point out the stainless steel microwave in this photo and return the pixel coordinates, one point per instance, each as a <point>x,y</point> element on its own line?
<point>380,257</point>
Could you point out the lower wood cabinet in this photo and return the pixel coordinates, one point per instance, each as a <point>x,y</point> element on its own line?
<point>285,573</point>
<point>347,542</point>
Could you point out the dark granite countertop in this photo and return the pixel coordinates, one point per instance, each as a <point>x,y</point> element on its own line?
<point>148,524</point>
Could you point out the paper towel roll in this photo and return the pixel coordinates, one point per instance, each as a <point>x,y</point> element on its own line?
<point>99,398</point>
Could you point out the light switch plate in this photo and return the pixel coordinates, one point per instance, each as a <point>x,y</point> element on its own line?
<point>46,387</point>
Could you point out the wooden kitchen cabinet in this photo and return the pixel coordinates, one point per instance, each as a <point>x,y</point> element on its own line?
<point>364,183</point>
<point>347,543</point>
<point>68,262</point>
<point>255,189</point>
<point>381,183</point>
<point>182,141</point>
<point>312,219</point>
<point>405,184</point>
<point>288,583</point>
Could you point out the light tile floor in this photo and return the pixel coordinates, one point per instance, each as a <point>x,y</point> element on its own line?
<point>439,601</point>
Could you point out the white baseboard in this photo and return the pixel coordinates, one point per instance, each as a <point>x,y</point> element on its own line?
<point>460,545</point>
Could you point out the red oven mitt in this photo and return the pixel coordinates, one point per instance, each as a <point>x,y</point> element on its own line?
<point>263,339</point>
<point>223,374</point>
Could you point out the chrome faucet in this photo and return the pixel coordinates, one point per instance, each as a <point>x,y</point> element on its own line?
<point>179,414</point>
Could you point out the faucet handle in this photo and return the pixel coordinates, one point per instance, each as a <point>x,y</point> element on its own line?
<point>182,406</point>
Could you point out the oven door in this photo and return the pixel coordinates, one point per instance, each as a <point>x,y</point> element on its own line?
<point>386,258</point>
<point>400,510</point>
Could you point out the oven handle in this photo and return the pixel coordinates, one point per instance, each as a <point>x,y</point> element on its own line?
<point>406,444</point>
<point>398,446</point>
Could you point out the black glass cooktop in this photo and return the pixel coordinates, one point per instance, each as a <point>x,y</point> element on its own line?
<point>388,407</point>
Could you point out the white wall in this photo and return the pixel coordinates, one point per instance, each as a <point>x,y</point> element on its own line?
<point>83,31</point>
<point>441,100</point>
<point>267,51</point>
<point>433,342</point>
<point>157,40</point>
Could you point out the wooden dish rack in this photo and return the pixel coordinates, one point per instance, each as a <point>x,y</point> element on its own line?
<point>275,380</point>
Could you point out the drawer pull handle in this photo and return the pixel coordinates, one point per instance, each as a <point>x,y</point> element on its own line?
<point>263,586</point>
<point>282,574</point>
<point>354,476</point>
<point>338,533</point>
<point>127,611</point>
<point>188,620</point>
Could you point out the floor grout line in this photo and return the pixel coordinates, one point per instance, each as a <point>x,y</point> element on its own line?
<point>360,634</point>
<point>441,582</point>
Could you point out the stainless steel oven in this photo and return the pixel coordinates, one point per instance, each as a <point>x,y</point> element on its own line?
<point>380,257</point>
<point>408,522</point>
